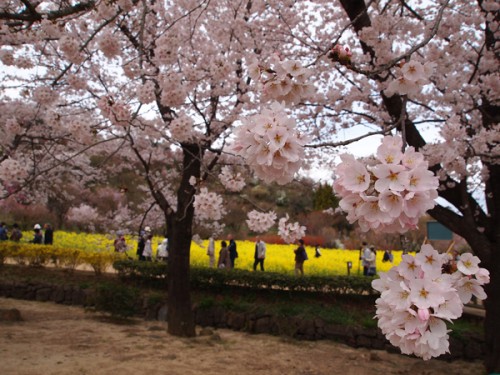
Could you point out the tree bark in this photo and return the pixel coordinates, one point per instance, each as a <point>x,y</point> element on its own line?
<point>491,320</point>
<point>180,313</point>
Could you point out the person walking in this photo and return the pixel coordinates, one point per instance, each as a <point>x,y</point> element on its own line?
<point>211,252</point>
<point>300,258</point>
<point>120,244</point>
<point>224,257</point>
<point>147,253</point>
<point>317,251</point>
<point>48,235</point>
<point>16,234</point>
<point>38,237</point>
<point>260,254</point>
<point>4,235</point>
<point>233,252</point>
<point>140,244</point>
<point>366,254</point>
<point>371,260</point>
<point>388,257</point>
<point>162,250</point>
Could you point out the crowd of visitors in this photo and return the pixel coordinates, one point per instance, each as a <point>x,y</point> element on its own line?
<point>41,235</point>
<point>227,255</point>
<point>225,258</point>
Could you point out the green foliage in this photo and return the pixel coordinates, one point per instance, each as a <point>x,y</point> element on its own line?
<point>149,273</point>
<point>324,198</point>
<point>118,300</point>
<point>462,328</point>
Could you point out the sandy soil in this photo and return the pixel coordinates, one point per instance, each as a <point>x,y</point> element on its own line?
<point>55,339</point>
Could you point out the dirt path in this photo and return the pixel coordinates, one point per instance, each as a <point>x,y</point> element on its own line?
<point>58,340</point>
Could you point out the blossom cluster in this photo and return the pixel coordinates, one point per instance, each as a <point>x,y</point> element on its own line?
<point>208,205</point>
<point>342,54</point>
<point>146,92</point>
<point>417,298</point>
<point>117,112</point>
<point>109,45</point>
<point>413,75</point>
<point>70,49</point>
<point>260,222</point>
<point>84,215</point>
<point>271,145</point>
<point>290,232</point>
<point>391,193</point>
<point>232,181</point>
<point>13,171</point>
<point>181,128</point>
<point>44,95</point>
<point>283,81</point>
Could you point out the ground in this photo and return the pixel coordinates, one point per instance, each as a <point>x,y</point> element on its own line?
<point>55,339</point>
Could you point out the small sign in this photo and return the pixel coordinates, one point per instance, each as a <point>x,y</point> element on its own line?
<point>349,266</point>
<point>437,231</point>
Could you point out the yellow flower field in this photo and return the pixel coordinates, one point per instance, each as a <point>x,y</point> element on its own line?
<point>279,258</point>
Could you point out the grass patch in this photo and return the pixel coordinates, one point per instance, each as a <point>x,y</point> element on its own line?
<point>464,327</point>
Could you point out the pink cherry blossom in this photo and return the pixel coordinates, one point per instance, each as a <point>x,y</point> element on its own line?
<point>425,293</point>
<point>468,264</point>
<point>391,195</point>
<point>260,222</point>
<point>271,145</point>
<point>391,176</point>
<point>208,206</point>
<point>389,152</point>
<point>391,202</point>
<point>414,305</point>
<point>232,181</point>
<point>290,232</point>
<point>413,71</point>
<point>356,178</point>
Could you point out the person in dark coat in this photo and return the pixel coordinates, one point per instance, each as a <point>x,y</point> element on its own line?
<point>4,236</point>
<point>233,252</point>
<point>38,236</point>
<point>140,246</point>
<point>16,234</point>
<point>224,258</point>
<point>48,237</point>
<point>300,258</point>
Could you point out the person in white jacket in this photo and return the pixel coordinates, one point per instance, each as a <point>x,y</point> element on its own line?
<point>211,252</point>
<point>162,250</point>
<point>147,253</point>
<point>260,254</point>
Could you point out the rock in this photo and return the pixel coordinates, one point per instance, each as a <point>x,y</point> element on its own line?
<point>206,332</point>
<point>236,321</point>
<point>162,313</point>
<point>10,315</point>
<point>375,356</point>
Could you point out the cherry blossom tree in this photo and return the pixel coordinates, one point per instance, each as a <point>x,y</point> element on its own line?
<point>181,89</point>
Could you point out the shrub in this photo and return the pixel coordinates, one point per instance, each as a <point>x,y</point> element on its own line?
<point>118,300</point>
<point>149,273</point>
<point>100,261</point>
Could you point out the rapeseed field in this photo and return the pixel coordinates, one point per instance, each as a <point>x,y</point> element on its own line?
<point>279,258</point>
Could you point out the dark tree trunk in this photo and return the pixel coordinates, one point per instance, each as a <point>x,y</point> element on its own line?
<point>180,314</point>
<point>492,319</point>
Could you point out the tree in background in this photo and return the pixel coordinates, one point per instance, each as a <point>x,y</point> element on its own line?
<point>324,198</point>
<point>168,87</point>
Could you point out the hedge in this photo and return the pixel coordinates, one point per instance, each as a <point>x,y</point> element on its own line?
<point>155,274</point>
